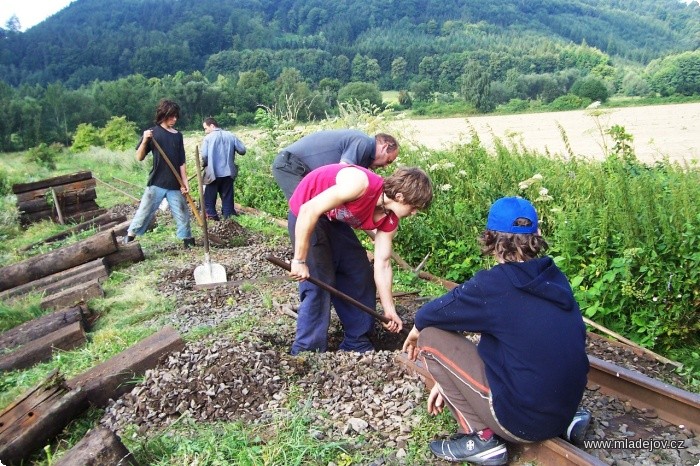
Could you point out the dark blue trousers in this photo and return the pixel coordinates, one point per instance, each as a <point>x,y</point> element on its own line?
<point>336,257</point>
<point>221,186</point>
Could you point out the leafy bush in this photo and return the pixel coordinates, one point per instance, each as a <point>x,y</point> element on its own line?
<point>119,134</point>
<point>86,136</point>
<point>405,99</point>
<point>45,156</point>
<point>569,102</point>
<point>515,106</point>
<point>626,234</point>
<point>5,183</point>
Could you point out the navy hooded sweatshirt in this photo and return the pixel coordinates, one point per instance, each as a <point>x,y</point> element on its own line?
<point>533,342</point>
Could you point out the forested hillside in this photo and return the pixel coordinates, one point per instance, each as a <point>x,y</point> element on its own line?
<point>97,60</point>
<point>108,39</point>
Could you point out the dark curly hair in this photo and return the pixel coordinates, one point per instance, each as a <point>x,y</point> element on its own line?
<point>166,109</point>
<point>512,247</point>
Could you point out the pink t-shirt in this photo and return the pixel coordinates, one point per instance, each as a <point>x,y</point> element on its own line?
<point>359,213</point>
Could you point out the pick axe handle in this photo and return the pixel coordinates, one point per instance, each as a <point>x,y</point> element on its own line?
<point>280,263</point>
<point>179,180</point>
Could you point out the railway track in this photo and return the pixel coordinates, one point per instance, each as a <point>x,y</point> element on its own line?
<point>664,407</point>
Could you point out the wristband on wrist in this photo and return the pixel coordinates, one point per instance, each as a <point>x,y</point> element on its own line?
<point>297,261</point>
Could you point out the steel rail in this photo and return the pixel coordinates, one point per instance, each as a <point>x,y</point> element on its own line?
<point>673,405</point>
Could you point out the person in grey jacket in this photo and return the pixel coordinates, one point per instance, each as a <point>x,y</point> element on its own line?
<point>328,147</point>
<point>219,150</point>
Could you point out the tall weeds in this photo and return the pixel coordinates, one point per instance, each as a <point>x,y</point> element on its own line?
<point>625,233</point>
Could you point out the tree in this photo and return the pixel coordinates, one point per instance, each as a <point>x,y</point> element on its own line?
<point>13,24</point>
<point>475,84</point>
<point>398,71</point>
<point>422,91</point>
<point>360,92</point>
<point>675,74</point>
<point>591,88</point>
<point>359,67</point>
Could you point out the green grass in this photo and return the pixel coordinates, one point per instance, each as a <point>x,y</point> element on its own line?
<point>625,234</point>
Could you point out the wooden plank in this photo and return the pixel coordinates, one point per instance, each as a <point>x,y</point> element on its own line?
<point>110,379</point>
<point>67,198</point>
<point>66,338</point>
<point>37,328</point>
<point>39,415</point>
<point>127,253</point>
<point>73,295</point>
<point>96,273</point>
<point>53,278</point>
<point>29,422</point>
<point>57,261</point>
<point>86,215</point>
<point>82,185</point>
<point>99,447</point>
<point>55,181</point>
<point>69,212</point>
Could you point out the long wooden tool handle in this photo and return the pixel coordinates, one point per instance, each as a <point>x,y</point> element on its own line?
<point>201,200</point>
<point>280,263</point>
<point>188,198</point>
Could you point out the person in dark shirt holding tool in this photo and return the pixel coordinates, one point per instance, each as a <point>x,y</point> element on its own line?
<point>162,183</point>
<point>326,206</point>
<point>525,379</point>
<point>331,146</point>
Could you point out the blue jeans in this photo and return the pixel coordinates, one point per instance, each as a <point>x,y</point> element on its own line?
<point>150,201</point>
<point>337,258</point>
<point>224,187</point>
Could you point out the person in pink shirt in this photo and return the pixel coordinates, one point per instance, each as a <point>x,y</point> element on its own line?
<point>325,207</point>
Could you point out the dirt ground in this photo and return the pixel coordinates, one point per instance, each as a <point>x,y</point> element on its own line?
<point>658,131</point>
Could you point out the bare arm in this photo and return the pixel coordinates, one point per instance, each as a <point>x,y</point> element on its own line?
<point>351,183</point>
<point>183,174</point>
<point>384,277</point>
<point>142,150</point>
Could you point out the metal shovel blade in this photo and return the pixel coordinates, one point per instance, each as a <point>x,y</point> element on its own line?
<point>209,273</point>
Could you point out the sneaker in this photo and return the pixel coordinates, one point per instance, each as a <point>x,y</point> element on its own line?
<point>469,447</point>
<point>576,431</point>
<point>188,242</point>
<point>128,239</point>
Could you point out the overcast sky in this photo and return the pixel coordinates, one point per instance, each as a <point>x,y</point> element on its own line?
<point>30,12</point>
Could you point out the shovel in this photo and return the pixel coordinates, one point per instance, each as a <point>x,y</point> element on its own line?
<point>380,317</point>
<point>208,272</point>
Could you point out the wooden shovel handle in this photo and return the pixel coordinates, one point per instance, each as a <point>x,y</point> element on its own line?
<point>280,263</point>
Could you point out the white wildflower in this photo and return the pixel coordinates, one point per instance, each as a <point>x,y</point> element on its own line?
<point>445,187</point>
<point>544,191</point>
<point>537,176</point>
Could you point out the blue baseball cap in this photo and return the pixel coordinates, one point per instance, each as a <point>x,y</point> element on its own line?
<point>505,211</point>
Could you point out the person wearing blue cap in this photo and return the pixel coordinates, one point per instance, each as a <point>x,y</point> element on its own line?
<point>524,380</point>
